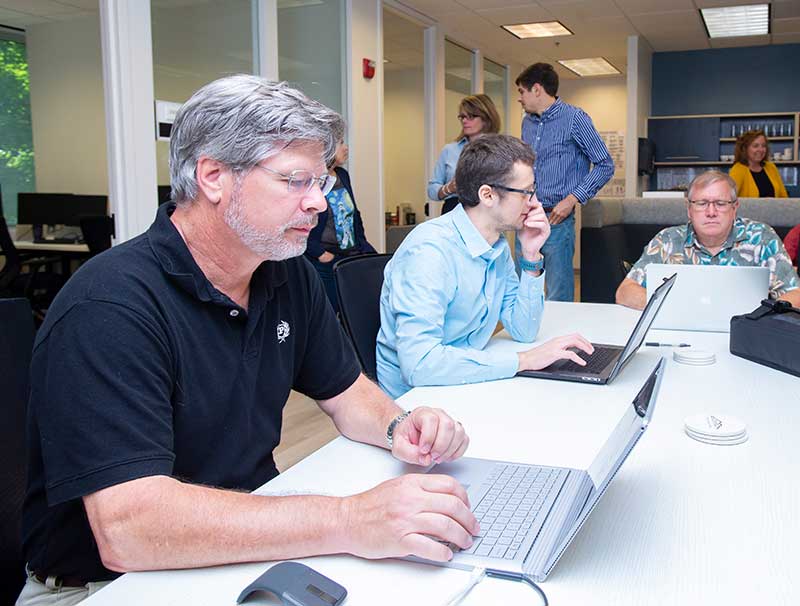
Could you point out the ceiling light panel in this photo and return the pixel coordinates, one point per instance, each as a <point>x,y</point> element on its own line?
<point>546,29</point>
<point>729,21</point>
<point>595,66</point>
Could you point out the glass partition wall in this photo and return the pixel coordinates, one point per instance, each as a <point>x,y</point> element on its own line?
<point>495,85</point>
<point>457,84</point>
<point>403,117</point>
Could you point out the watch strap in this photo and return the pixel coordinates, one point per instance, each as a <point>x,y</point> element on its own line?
<point>526,265</point>
<point>393,425</point>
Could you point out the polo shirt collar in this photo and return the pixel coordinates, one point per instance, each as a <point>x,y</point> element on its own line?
<point>476,244</point>
<point>178,263</point>
<point>737,234</point>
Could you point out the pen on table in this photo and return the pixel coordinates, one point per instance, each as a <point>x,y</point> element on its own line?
<point>654,344</point>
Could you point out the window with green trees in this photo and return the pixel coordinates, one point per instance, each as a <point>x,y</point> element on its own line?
<point>16,136</point>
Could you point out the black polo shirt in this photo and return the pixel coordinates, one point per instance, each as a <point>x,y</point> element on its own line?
<point>143,368</point>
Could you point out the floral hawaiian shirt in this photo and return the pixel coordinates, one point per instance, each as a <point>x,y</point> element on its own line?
<point>750,243</point>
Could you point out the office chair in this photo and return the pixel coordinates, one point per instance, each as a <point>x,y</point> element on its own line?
<point>358,284</point>
<point>28,275</point>
<point>16,344</point>
<point>97,231</point>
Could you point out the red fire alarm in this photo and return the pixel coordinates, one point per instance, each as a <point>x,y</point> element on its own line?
<point>369,68</point>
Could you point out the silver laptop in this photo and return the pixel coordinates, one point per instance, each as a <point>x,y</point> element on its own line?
<point>607,361</point>
<point>529,514</point>
<point>707,296</point>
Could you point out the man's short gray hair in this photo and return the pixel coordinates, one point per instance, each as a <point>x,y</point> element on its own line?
<point>240,121</point>
<point>709,177</point>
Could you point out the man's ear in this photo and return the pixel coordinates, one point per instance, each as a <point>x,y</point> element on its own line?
<point>486,195</point>
<point>212,177</point>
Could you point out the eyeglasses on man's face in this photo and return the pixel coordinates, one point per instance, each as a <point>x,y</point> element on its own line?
<point>302,181</point>
<point>718,204</point>
<point>527,192</point>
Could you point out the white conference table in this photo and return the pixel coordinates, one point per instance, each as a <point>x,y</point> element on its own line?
<point>682,523</point>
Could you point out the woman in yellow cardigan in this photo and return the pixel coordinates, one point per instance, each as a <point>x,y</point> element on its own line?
<point>755,175</point>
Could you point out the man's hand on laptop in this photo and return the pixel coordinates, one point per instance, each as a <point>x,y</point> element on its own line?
<point>560,348</point>
<point>408,515</point>
<point>427,436</point>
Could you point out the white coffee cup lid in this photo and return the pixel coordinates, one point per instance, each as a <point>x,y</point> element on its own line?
<point>717,441</point>
<point>694,357</point>
<point>715,426</point>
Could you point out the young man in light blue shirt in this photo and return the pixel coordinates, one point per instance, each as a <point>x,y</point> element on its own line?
<point>453,279</point>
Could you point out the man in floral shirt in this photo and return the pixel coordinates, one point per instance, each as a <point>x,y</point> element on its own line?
<point>714,235</point>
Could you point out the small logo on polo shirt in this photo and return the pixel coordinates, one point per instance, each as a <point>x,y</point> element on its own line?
<point>283,331</point>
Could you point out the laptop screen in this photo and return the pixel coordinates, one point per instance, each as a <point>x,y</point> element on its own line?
<point>616,450</point>
<point>646,320</point>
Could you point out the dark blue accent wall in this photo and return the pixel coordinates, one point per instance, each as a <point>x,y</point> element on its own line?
<point>752,79</point>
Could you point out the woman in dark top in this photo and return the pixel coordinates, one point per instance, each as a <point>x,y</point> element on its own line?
<point>755,175</point>
<point>339,232</point>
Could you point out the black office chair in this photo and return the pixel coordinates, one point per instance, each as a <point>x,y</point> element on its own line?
<point>16,344</point>
<point>358,284</point>
<point>97,232</point>
<point>28,275</point>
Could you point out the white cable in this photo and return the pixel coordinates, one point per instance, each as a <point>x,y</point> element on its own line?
<point>478,574</point>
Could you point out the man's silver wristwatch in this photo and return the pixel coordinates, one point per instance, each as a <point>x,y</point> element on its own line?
<point>393,425</point>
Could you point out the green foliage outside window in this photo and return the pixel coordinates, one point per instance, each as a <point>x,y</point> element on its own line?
<point>16,136</point>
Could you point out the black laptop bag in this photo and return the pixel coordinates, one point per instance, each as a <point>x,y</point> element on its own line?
<point>769,335</point>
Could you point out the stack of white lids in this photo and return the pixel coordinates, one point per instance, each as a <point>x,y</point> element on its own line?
<point>694,357</point>
<point>716,429</point>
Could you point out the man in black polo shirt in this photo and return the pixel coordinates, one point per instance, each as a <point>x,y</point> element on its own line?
<point>161,371</point>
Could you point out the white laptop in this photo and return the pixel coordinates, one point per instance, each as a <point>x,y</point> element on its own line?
<point>529,514</point>
<point>705,297</point>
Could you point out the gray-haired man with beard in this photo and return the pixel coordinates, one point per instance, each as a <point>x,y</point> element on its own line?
<point>160,374</point>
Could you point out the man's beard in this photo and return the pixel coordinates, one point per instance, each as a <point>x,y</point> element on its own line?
<point>274,245</point>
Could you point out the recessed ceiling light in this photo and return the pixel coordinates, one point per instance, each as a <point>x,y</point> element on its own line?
<point>596,66</point>
<point>545,29</point>
<point>728,21</point>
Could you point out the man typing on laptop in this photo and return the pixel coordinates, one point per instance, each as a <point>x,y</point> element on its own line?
<point>714,235</point>
<point>453,279</point>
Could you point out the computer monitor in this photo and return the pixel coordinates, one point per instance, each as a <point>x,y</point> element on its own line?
<point>58,209</point>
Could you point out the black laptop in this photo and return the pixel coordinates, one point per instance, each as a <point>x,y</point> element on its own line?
<point>607,360</point>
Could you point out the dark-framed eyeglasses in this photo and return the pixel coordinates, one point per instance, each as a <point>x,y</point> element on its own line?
<point>464,116</point>
<point>528,192</point>
<point>718,204</point>
<point>302,181</point>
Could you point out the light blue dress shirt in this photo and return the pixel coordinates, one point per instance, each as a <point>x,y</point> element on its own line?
<point>445,168</point>
<point>443,293</point>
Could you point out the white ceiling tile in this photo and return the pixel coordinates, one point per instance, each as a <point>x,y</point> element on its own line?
<point>585,10</point>
<point>517,14</point>
<point>785,26</point>
<point>18,19</point>
<point>496,4</point>
<point>719,3</point>
<point>644,7</point>
<point>40,8</point>
<point>436,8</point>
<point>740,41</point>
<point>87,5</point>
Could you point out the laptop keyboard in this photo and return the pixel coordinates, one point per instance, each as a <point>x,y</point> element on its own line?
<point>507,511</point>
<point>594,363</point>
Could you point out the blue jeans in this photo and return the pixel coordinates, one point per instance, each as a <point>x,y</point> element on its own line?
<point>559,278</point>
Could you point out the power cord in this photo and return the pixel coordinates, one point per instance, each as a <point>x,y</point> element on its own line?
<point>478,574</point>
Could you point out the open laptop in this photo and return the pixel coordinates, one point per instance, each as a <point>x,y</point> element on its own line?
<point>530,514</point>
<point>707,296</point>
<point>607,360</point>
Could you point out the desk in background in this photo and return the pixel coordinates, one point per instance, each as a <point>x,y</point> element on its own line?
<point>683,523</point>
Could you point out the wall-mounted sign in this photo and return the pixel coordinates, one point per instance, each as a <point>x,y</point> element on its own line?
<point>165,116</point>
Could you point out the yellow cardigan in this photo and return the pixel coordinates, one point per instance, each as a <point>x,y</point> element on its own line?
<point>746,185</point>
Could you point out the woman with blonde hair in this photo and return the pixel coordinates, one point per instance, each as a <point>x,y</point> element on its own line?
<point>478,116</point>
<point>755,175</point>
